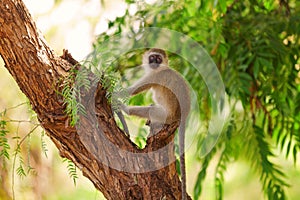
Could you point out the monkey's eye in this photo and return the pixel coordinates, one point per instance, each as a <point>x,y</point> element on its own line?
<point>152,59</point>
<point>158,59</point>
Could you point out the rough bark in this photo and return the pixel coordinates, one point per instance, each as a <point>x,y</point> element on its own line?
<point>37,70</point>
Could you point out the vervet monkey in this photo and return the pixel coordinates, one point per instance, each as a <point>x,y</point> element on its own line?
<point>171,97</point>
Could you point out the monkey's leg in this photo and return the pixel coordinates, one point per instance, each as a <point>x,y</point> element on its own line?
<point>154,113</point>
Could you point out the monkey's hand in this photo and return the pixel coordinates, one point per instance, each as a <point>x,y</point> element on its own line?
<point>118,98</point>
<point>124,108</point>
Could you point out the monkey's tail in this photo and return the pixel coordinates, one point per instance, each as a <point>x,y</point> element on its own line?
<point>182,159</point>
<point>122,119</point>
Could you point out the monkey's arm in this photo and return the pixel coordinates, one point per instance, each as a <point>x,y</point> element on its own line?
<point>135,90</point>
<point>140,86</point>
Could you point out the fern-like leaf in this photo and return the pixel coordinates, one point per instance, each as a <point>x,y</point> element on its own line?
<point>202,174</point>
<point>43,144</point>
<point>4,145</point>
<point>72,170</point>
<point>272,178</point>
<point>20,171</point>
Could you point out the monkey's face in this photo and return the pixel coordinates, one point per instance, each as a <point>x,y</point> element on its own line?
<point>155,60</point>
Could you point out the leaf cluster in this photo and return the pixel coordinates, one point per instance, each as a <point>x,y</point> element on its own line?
<point>15,147</point>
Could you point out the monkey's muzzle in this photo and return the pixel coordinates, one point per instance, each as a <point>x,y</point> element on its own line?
<point>154,65</point>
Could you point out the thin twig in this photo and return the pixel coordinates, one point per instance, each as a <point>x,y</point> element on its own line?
<point>15,156</point>
<point>19,105</point>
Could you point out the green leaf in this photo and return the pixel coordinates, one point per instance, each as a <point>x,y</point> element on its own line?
<point>265,63</point>
<point>43,144</point>
<point>72,170</point>
<point>222,6</point>
<point>20,170</point>
<point>256,68</point>
<point>4,145</point>
<point>295,152</point>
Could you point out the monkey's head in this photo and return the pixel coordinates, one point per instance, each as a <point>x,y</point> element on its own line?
<point>155,59</point>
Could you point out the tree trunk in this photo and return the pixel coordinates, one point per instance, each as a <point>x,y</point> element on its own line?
<point>101,150</point>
